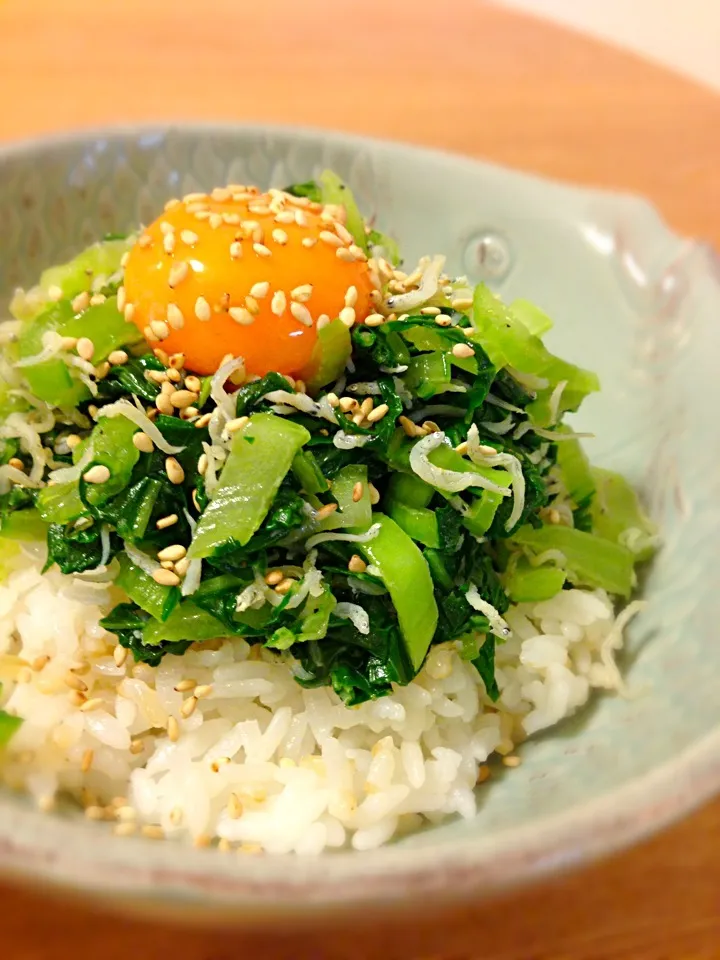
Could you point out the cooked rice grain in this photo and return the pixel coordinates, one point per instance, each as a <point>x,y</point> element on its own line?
<point>260,761</point>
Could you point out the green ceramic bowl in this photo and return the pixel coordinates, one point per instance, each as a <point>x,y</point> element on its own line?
<point>632,301</point>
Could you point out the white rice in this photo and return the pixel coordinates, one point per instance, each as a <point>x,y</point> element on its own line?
<point>262,763</point>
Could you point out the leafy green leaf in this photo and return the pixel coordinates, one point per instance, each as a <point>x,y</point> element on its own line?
<point>484,663</point>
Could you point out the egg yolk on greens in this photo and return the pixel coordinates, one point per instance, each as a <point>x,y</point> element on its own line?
<point>245,273</point>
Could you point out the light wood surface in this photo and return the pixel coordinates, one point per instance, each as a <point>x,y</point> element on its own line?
<point>460,75</point>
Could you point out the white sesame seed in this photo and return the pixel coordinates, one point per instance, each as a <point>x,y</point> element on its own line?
<point>96,299</point>
<point>160,329</point>
<point>164,522</point>
<point>175,316</point>
<point>241,315</point>
<point>347,316</point>
<point>203,690</point>
<point>174,552</point>
<point>351,296</point>
<point>300,218</point>
<point>202,214</point>
<point>374,320</point>
<point>261,250</point>
<point>287,583</point>
<point>75,683</point>
<point>173,730</point>
<point>54,293</point>
<point>279,236</point>
<point>129,312</point>
<point>237,424</point>
<point>285,216</point>
<point>175,472</point>
<point>302,293</point>
<point>461,303</point>
<point>120,655</point>
<point>260,290</point>
<point>221,194</point>
<point>189,237</point>
<point>358,253</point>
<point>164,406</point>
<point>181,399</point>
<point>322,321</point>
<point>366,406</point>
<point>301,313</point>
<point>336,212</point>
<point>343,253</point>
<point>121,300</point>
<point>202,309</point>
<point>143,442</point>
<point>278,304</point>
<point>85,348</point>
<point>309,242</point>
<point>463,350</point>
<point>188,707</point>
<point>144,241</point>
<point>330,238</point>
<point>97,474</point>
<point>166,578</point>
<point>236,250</point>
<point>169,243</point>
<point>378,413</point>
<point>252,305</point>
<point>82,301</point>
<point>344,233</point>
<point>261,209</point>
<point>93,704</point>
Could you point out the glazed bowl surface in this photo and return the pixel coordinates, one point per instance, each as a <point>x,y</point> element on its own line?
<point>631,300</point>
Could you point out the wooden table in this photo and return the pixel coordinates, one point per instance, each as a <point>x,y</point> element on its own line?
<point>471,78</point>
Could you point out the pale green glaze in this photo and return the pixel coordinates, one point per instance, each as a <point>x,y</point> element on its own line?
<point>631,301</point>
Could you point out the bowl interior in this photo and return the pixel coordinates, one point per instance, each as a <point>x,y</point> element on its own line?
<point>631,301</point>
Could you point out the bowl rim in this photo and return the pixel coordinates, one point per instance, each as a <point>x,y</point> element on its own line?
<point>457,869</point>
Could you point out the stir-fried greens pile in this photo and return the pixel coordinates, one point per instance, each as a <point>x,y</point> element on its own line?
<point>415,486</point>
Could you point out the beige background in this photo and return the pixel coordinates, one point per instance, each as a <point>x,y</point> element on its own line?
<point>683,34</point>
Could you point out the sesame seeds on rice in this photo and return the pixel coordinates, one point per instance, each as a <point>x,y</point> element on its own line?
<point>222,742</point>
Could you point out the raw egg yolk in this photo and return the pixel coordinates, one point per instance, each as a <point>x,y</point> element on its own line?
<point>245,273</point>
